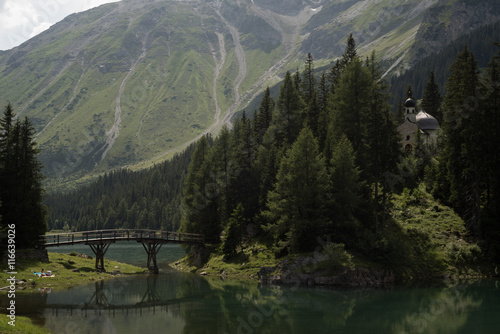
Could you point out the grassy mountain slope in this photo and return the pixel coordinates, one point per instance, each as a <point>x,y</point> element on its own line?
<point>129,83</point>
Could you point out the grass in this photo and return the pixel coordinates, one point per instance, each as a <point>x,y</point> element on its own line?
<point>62,266</point>
<point>437,235</point>
<point>23,325</point>
<point>244,265</point>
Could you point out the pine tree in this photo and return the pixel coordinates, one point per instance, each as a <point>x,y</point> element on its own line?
<point>308,80</point>
<point>235,231</point>
<point>288,118</point>
<point>382,138</point>
<point>334,75</point>
<point>323,118</point>
<point>31,178</point>
<point>296,211</point>
<point>200,190</point>
<point>464,152</point>
<point>264,116</point>
<point>244,181</point>
<point>490,90</point>
<point>349,107</point>
<point>431,102</point>
<point>345,189</point>
<point>350,52</point>
<point>6,159</point>
<point>21,181</point>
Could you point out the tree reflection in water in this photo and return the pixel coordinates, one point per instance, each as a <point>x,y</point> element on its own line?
<point>185,303</point>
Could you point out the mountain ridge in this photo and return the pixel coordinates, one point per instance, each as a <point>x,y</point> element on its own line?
<point>130,83</point>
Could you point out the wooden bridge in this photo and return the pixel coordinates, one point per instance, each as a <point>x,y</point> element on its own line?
<point>100,240</point>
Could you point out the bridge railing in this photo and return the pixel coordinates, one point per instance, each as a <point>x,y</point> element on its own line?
<point>120,234</point>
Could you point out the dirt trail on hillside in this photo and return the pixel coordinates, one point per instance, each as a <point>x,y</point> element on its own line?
<point>242,72</point>
<point>279,22</point>
<point>114,132</point>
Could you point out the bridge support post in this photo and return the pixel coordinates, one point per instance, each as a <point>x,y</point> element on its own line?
<point>152,249</point>
<point>99,250</point>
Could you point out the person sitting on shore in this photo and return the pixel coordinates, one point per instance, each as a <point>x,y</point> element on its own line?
<point>42,273</point>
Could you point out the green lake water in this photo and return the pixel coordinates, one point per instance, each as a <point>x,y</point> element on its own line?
<point>174,302</point>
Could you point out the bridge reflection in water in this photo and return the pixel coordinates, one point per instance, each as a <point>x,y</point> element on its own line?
<point>99,303</point>
<point>100,240</point>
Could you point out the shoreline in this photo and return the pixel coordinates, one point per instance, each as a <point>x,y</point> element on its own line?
<point>70,270</point>
<point>256,262</point>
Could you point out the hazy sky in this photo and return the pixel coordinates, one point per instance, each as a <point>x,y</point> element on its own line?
<point>22,19</point>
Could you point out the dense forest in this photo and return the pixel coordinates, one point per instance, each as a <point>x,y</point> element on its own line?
<point>124,199</point>
<point>21,191</point>
<point>324,158</point>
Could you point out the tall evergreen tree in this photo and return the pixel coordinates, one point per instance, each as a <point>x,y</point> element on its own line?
<point>345,190</point>
<point>31,177</point>
<point>334,75</point>
<point>264,115</point>
<point>490,92</point>
<point>350,52</point>
<point>288,118</point>
<point>21,181</point>
<point>235,231</point>
<point>308,80</point>
<point>464,151</point>
<point>431,100</point>
<point>323,118</point>
<point>199,201</point>
<point>383,140</point>
<point>350,106</point>
<point>296,211</point>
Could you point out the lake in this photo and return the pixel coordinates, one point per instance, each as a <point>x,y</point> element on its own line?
<point>174,302</point>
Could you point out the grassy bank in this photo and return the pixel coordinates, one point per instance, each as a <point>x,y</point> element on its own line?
<point>24,325</point>
<point>69,270</point>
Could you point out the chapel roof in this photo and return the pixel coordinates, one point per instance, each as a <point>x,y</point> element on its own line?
<point>426,121</point>
<point>410,103</point>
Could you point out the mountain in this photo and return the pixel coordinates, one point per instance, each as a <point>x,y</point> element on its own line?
<point>130,83</point>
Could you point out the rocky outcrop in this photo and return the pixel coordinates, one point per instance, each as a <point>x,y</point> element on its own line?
<point>288,273</point>
<point>358,277</point>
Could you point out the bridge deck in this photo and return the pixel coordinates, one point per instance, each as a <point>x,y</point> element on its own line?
<point>110,236</point>
<point>100,240</point>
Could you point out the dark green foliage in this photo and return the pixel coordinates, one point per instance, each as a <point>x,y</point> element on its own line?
<point>287,121</point>
<point>297,205</point>
<point>144,199</point>
<point>264,116</point>
<point>349,107</point>
<point>464,145</point>
<point>308,80</point>
<point>431,99</point>
<point>200,195</point>
<point>350,52</point>
<point>21,178</point>
<point>345,191</point>
<point>323,161</point>
<point>235,230</point>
